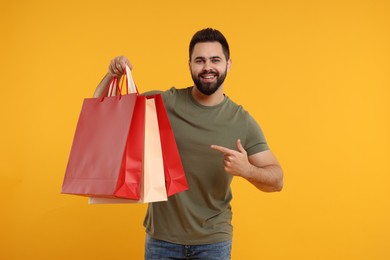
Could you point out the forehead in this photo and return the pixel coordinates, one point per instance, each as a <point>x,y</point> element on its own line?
<point>207,49</point>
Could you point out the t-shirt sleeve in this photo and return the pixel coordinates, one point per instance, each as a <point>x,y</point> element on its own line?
<point>169,97</point>
<point>255,139</point>
<point>151,93</point>
<point>166,95</point>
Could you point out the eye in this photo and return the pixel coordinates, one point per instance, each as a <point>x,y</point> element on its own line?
<point>215,60</point>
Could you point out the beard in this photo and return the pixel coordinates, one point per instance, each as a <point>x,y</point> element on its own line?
<point>208,88</point>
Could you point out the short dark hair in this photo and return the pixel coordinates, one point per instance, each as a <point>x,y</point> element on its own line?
<point>210,35</point>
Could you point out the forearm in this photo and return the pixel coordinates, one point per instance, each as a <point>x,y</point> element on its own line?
<point>268,178</point>
<point>102,85</point>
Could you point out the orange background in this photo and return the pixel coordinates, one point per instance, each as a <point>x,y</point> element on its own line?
<point>315,75</point>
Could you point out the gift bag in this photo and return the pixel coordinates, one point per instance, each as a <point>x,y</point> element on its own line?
<point>175,179</point>
<point>97,156</point>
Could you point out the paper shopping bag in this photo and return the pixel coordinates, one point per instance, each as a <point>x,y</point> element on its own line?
<point>129,179</point>
<point>96,157</point>
<point>175,179</point>
<point>153,185</point>
<point>153,178</point>
<point>97,161</point>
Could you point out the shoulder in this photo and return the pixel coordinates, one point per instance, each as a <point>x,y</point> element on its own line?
<point>174,94</point>
<point>236,109</point>
<point>173,91</point>
<point>168,95</point>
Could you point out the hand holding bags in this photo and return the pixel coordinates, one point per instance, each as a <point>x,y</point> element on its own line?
<point>123,146</point>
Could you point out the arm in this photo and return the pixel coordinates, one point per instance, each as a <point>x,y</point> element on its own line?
<point>115,69</point>
<point>265,173</point>
<point>261,169</point>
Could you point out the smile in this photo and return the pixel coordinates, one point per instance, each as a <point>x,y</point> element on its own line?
<point>208,76</point>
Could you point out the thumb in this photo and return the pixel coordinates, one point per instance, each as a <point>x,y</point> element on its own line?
<point>240,147</point>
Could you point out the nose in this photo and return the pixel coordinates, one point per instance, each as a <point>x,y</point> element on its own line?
<point>207,65</point>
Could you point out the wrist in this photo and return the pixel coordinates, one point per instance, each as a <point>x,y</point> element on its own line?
<point>250,173</point>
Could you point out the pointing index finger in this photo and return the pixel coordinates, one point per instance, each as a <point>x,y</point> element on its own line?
<point>221,149</point>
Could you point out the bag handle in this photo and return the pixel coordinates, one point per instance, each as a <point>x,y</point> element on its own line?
<point>113,88</point>
<point>109,91</point>
<point>131,87</point>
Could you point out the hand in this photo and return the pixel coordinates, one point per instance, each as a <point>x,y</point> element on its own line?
<point>118,65</point>
<point>235,162</point>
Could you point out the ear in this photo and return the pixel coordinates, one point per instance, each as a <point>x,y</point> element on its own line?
<point>229,64</point>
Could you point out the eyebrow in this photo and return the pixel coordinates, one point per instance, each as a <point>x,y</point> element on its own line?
<point>204,58</point>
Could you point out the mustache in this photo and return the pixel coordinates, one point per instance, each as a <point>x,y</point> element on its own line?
<point>205,72</point>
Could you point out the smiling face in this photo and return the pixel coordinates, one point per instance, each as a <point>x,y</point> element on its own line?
<point>208,66</point>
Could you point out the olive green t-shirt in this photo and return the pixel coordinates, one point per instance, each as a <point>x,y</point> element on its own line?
<point>202,214</point>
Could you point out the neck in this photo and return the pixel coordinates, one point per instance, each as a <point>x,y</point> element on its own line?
<point>205,100</point>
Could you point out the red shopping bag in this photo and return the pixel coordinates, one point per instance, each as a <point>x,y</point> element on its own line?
<point>97,161</point>
<point>175,179</point>
<point>152,182</point>
<point>129,179</point>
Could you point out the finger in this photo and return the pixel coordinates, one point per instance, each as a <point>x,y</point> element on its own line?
<point>227,165</point>
<point>221,149</point>
<point>240,147</point>
<point>113,70</point>
<point>124,61</point>
<point>117,65</point>
<point>227,169</point>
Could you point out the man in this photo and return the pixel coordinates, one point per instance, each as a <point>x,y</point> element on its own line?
<point>217,139</point>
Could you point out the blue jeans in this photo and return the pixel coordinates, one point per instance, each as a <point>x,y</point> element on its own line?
<point>161,250</point>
